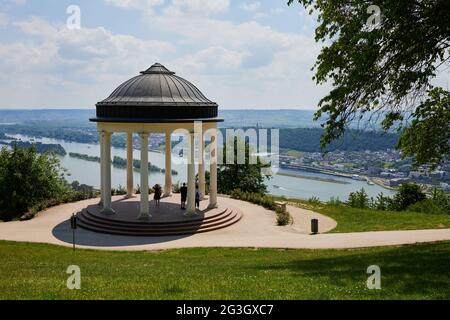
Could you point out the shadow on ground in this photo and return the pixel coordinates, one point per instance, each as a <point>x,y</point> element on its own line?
<point>83,237</point>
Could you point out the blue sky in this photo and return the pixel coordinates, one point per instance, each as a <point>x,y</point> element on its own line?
<point>242,54</point>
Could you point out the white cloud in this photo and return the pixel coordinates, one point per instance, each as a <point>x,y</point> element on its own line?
<point>241,64</point>
<point>201,7</point>
<point>135,4</point>
<point>54,63</point>
<point>238,64</point>
<point>251,6</point>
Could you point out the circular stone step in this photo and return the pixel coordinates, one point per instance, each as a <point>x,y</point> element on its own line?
<point>168,219</point>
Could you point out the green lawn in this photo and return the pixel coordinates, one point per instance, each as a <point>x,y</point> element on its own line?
<point>356,220</point>
<point>37,271</point>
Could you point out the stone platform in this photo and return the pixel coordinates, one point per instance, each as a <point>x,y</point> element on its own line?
<point>167,219</point>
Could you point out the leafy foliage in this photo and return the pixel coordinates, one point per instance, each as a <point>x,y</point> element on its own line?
<point>27,178</point>
<point>387,69</point>
<point>267,201</point>
<point>358,199</point>
<point>428,135</point>
<point>31,182</point>
<point>408,194</point>
<point>245,176</point>
<point>409,197</point>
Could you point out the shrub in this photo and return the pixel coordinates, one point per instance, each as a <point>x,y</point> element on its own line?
<point>334,201</point>
<point>381,202</point>
<point>268,202</point>
<point>358,199</point>
<point>441,199</point>
<point>426,206</point>
<point>27,179</point>
<point>176,187</point>
<point>408,194</point>
<point>119,191</point>
<point>314,200</point>
<point>283,217</point>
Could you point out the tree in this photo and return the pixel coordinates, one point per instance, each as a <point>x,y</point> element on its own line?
<point>26,178</point>
<point>358,199</point>
<point>246,177</point>
<point>385,70</point>
<point>408,194</point>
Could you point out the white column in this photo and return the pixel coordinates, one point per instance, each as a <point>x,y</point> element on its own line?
<point>201,166</point>
<point>102,182</point>
<point>191,177</point>
<point>107,208</point>
<point>168,180</point>
<point>144,205</point>
<point>130,183</point>
<point>213,172</point>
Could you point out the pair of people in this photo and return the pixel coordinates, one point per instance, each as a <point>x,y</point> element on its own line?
<point>184,191</point>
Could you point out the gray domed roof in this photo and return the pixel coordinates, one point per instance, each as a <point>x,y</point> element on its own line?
<point>156,95</point>
<point>157,86</point>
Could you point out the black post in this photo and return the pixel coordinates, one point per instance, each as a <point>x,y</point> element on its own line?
<point>314,226</point>
<point>73,225</point>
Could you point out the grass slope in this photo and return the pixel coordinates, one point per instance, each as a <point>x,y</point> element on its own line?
<point>359,220</point>
<point>38,271</point>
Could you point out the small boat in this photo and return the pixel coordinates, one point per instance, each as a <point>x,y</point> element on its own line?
<point>276,187</point>
<point>370,183</point>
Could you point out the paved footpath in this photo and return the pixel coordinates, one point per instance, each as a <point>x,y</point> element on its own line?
<point>256,229</point>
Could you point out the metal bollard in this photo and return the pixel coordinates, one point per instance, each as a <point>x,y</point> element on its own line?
<point>73,226</point>
<point>314,226</point>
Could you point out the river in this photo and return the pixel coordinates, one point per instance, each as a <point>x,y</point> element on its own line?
<point>298,187</point>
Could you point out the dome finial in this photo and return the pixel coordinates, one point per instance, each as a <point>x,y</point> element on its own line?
<point>157,68</point>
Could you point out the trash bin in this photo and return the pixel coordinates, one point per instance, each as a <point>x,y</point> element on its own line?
<point>314,226</point>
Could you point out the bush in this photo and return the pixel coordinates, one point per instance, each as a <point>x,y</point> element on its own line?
<point>283,217</point>
<point>382,202</point>
<point>268,202</point>
<point>176,187</point>
<point>426,206</point>
<point>441,199</point>
<point>407,195</point>
<point>119,191</point>
<point>358,199</point>
<point>28,179</point>
<point>334,201</point>
<point>314,201</point>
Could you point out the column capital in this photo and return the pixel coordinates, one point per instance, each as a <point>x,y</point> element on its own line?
<point>143,134</point>
<point>105,133</point>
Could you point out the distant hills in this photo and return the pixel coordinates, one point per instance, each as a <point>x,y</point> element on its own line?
<point>298,131</point>
<point>283,118</point>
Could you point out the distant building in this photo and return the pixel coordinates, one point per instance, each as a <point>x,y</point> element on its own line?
<point>397,182</point>
<point>385,174</point>
<point>438,174</point>
<point>374,170</point>
<point>415,174</point>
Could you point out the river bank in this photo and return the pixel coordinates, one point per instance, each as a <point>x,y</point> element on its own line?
<point>299,175</point>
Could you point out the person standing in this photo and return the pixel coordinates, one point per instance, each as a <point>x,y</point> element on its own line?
<point>183,191</point>
<point>157,196</point>
<point>197,197</point>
